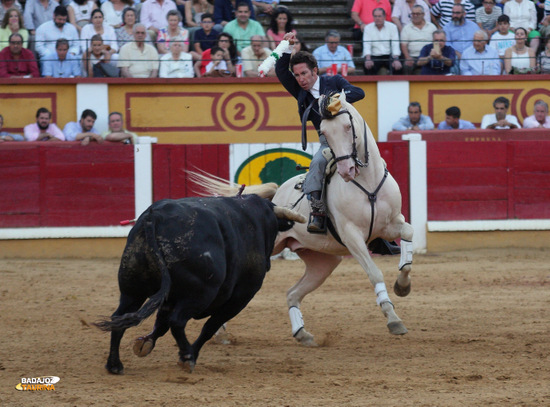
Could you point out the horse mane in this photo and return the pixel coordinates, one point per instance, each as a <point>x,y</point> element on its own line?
<point>212,185</point>
<point>324,103</point>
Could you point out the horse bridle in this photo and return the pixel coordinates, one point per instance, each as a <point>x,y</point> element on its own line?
<point>353,154</point>
<point>371,195</point>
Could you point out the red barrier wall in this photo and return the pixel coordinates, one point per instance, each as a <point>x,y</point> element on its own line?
<point>396,155</point>
<point>488,180</point>
<point>65,184</point>
<point>476,135</point>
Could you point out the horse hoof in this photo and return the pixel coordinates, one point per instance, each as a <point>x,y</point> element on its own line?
<point>143,346</point>
<point>397,328</point>
<point>115,368</point>
<point>305,338</point>
<point>401,291</point>
<point>187,365</point>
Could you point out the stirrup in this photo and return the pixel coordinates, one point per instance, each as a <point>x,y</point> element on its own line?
<point>312,226</point>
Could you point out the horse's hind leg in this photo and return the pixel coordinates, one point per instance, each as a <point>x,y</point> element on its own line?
<point>402,286</point>
<point>318,267</point>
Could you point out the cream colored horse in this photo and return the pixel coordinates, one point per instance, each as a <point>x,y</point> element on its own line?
<point>350,211</point>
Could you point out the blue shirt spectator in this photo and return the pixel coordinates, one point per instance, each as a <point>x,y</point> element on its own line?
<point>480,59</point>
<point>462,125</point>
<point>460,32</point>
<point>333,53</point>
<point>415,120</point>
<point>453,121</point>
<point>36,14</point>
<point>58,65</point>
<point>437,66</point>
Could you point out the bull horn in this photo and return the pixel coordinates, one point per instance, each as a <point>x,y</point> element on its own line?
<point>285,213</point>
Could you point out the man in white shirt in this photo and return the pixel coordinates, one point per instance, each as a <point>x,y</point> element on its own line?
<point>499,119</point>
<point>381,45</point>
<point>49,32</point>
<point>414,36</point>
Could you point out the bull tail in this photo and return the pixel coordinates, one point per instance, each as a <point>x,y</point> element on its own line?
<point>128,320</point>
<point>216,186</point>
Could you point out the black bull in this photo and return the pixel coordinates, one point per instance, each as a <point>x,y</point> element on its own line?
<point>193,258</point>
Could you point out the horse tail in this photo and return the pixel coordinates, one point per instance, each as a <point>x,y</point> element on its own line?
<point>216,186</point>
<point>128,320</point>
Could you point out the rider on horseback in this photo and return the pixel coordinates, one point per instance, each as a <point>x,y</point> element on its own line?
<point>299,75</point>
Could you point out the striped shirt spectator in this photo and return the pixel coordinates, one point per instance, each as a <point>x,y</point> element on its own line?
<point>443,11</point>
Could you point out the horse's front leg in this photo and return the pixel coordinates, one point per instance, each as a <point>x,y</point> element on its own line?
<point>353,240</point>
<point>402,286</point>
<point>318,267</point>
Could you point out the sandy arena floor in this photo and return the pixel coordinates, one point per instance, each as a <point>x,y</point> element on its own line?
<point>479,335</point>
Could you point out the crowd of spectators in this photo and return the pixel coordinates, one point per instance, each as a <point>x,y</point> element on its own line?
<point>104,38</point>
<point>83,130</point>
<point>500,119</point>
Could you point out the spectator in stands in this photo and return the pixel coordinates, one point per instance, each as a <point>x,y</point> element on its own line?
<point>58,65</point>
<point>544,57</point>
<point>333,53</point>
<point>487,16</point>
<point>225,42</point>
<point>138,59</point>
<point>43,129</point>
<point>16,61</point>
<point>113,10</point>
<point>523,13</point>
<point>415,120</point>
<point>401,14</point>
<point>503,38</point>
<point>194,10</point>
<point>49,32</point>
<point>242,27</point>
<point>540,118</point>
<point>281,23</point>
<point>361,13</point>
<point>125,33</point>
<point>80,13</point>
<point>519,58</point>
<point>381,45</point>
<point>414,36</point>
<point>544,26</point>
<point>437,58</point>
<point>499,119</point>
<point>265,6</point>
<point>453,121</point>
<point>173,29</point>
<point>460,32</point>
<point>116,131</point>
<point>218,65</point>
<point>225,11</point>
<point>37,12</point>
<point>5,5</point>
<point>83,130</point>
<point>153,15</point>
<point>442,11</point>
<point>254,55</point>
<point>97,60</point>
<point>205,37</point>
<point>176,63</point>
<point>5,136</point>
<point>99,27</point>
<point>480,59</point>
<point>13,23</point>
<point>299,45</point>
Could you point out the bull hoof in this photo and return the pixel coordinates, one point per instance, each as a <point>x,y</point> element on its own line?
<point>305,338</point>
<point>187,365</point>
<point>397,328</point>
<point>115,368</point>
<point>143,346</point>
<point>401,291</point>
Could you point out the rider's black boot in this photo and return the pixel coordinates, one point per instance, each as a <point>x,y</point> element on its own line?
<point>318,216</point>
